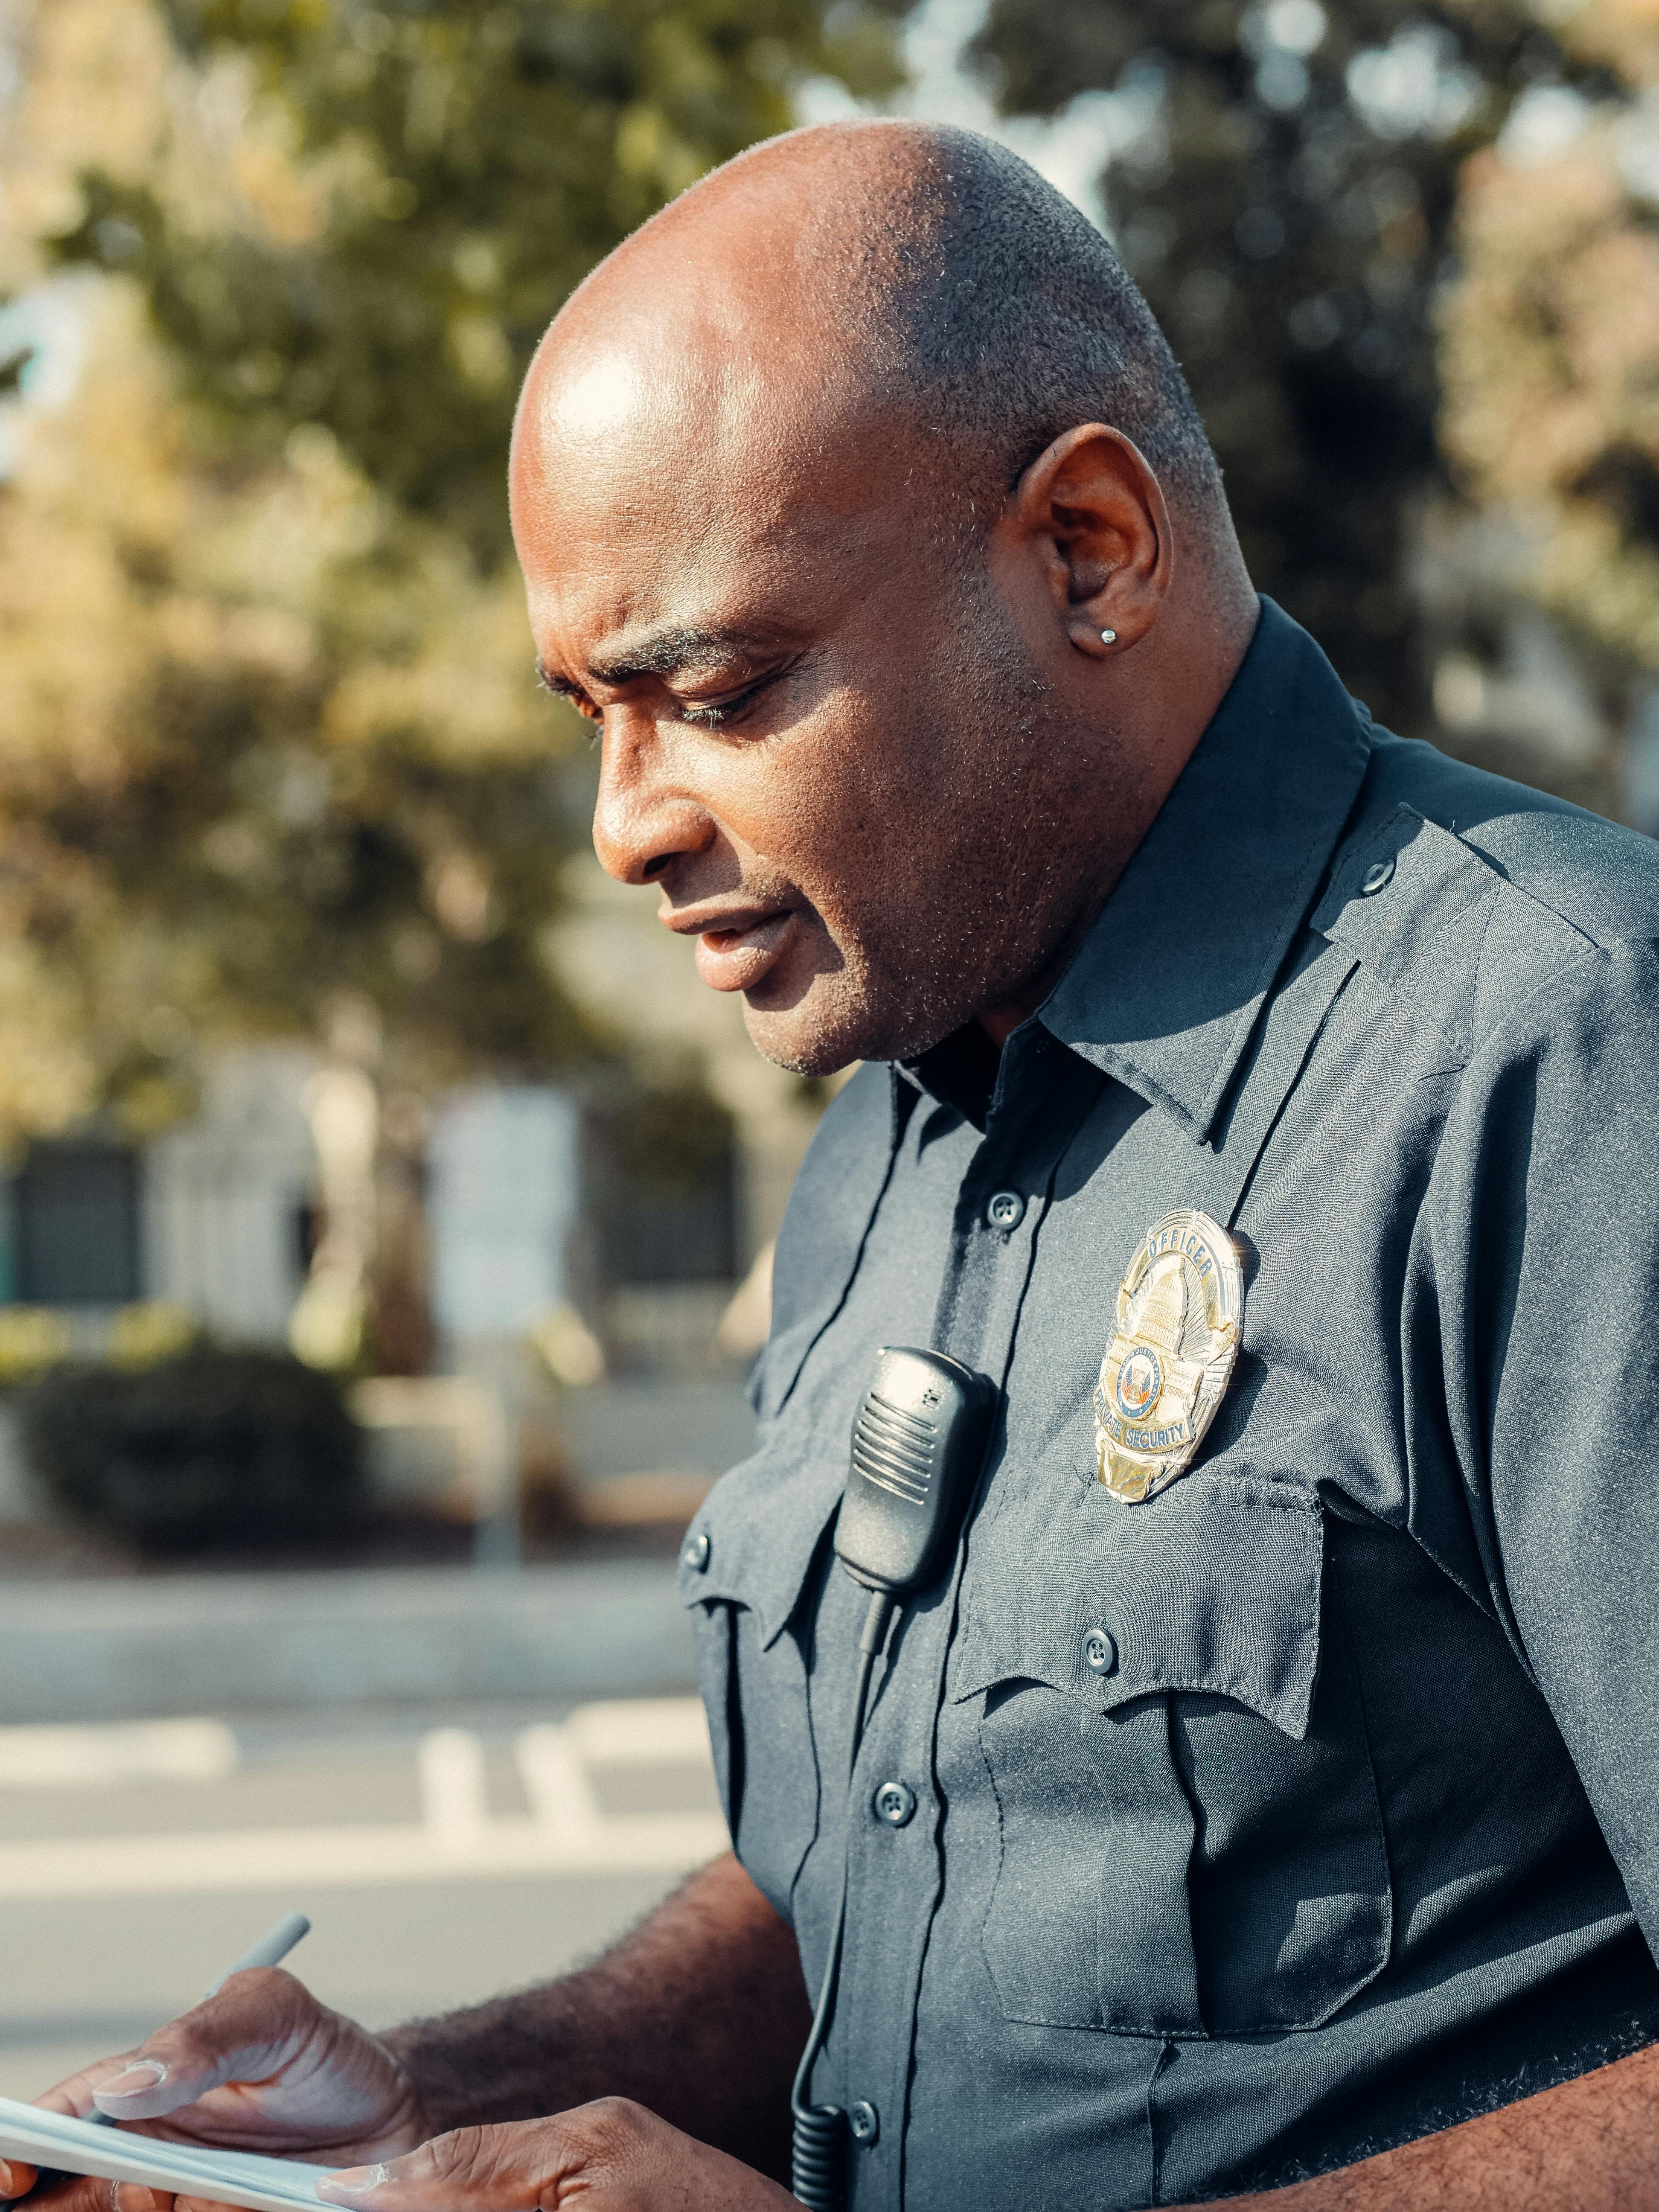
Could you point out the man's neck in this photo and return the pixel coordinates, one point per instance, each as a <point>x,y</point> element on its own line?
<point>1000,1022</point>
<point>1001,1019</point>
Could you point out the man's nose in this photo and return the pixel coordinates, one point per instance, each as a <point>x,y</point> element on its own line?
<point>642,819</point>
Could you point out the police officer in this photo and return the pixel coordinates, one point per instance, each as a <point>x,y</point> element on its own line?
<point>1262,1795</point>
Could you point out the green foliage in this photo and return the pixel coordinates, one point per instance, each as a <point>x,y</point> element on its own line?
<point>271,742</point>
<point>465,165</point>
<point>1550,360</point>
<point>269,737</point>
<point>211,1447</point>
<point>1287,210</point>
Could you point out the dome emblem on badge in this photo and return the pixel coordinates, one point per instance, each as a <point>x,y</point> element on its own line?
<point>1139,1380</point>
<point>1179,1310</point>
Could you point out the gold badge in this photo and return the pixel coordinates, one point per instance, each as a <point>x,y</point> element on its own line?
<point>1180,1310</point>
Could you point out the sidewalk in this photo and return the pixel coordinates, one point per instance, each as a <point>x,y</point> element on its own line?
<point>245,1643</point>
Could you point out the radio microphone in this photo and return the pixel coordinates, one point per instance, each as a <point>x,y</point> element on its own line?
<point>918,1447</point>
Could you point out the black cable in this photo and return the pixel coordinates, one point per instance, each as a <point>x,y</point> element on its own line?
<point>820,2140</point>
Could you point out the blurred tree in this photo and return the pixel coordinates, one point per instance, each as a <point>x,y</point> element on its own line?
<point>269,741</point>
<point>1284,190</point>
<point>405,192</point>
<point>1551,351</point>
<point>271,757</point>
<point>266,745</point>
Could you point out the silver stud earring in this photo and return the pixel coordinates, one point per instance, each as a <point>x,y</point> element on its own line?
<point>1108,637</point>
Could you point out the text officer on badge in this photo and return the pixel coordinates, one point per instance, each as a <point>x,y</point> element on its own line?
<point>1260,1109</point>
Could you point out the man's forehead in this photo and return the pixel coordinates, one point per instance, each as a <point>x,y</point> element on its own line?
<point>691,467</point>
<point>600,399</point>
<point>691,545</point>
<point>753,435</point>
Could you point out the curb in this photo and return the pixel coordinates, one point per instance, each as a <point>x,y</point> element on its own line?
<point>216,1644</point>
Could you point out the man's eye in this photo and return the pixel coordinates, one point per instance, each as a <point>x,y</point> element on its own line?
<point>714,714</point>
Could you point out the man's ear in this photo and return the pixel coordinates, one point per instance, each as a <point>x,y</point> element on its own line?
<point>1093,513</point>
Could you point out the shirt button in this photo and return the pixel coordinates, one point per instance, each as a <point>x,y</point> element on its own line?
<point>1099,1652</point>
<point>695,1550</point>
<point>1005,1211</point>
<point>894,1802</point>
<point>1378,873</point>
<point>864,2121</point>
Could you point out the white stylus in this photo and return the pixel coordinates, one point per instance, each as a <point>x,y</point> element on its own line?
<point>272,1948</point>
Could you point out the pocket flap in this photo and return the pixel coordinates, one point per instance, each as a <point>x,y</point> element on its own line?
<point>754,1539</point>
<point>1212,1586</point>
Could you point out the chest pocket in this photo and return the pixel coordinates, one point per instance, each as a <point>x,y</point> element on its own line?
<point>1190,1840</point>
<point>744,1567</point>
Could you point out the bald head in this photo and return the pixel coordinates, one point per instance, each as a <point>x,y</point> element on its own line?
<point>861,503</point>
<point>899,270</point>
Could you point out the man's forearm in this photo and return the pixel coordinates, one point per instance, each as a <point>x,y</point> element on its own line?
<point>1591,2145</point>
<point>698,2013</point>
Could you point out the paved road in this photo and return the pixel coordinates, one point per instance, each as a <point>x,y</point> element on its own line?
<point>442,1857</point>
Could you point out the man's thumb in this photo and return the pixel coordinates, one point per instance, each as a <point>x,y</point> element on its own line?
<point>139,2077</point>
<point>257,2020</point>
<point>469,2169</point>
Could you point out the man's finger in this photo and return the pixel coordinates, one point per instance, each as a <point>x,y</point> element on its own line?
<point>512,2168</point>
<point>469,2170</point>
<point>16,2179</point>
<point>258,2021</point>
<point>88,2192</point>
<point>133,2196</point>
<point>613,2153</point>
<point>73,2095</point>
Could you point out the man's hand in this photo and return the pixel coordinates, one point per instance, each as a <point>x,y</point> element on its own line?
<point>260,2067</point>
<point>608,2156</point>
<point>697,2014</point>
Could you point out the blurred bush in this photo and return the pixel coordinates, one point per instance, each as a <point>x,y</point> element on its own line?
<point>150,1330</point>
<point>208,1448</point>
<point>32,1340</point>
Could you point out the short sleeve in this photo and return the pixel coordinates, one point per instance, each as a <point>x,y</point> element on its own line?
<point>1543,1221</point>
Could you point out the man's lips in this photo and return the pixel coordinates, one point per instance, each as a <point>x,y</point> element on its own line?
<point>733,953</point>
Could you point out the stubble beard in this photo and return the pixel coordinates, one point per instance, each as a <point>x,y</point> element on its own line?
<point>996,909</point>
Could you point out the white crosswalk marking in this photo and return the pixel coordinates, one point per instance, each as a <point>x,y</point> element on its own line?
<point>567,1831</point>
<point>454,1794</point>
<point>641,1732</point>
<point>556,1782</point>
<point>132,1751</point>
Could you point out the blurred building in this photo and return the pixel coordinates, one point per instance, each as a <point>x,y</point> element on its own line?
<point>640,1204</point>
<point>214,1216</point>
<point>526,1207</point>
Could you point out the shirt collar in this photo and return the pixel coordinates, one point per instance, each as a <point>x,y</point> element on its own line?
<point>1165,991</point>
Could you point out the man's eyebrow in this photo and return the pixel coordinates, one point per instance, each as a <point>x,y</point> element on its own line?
<point>561,686</point>
<point>662,653</point>
<point>666,650</point>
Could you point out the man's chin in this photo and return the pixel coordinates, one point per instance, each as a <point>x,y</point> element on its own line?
<point>821,1032</point>
<point>801,1046</point>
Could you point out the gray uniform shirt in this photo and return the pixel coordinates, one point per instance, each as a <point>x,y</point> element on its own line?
<point>1357,1835</point>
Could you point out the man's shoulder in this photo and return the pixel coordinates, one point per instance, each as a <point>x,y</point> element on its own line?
<point>1598,877</point>
<point>1478,899</point>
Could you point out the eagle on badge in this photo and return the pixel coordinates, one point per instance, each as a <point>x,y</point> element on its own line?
<point>1180,1314</point>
